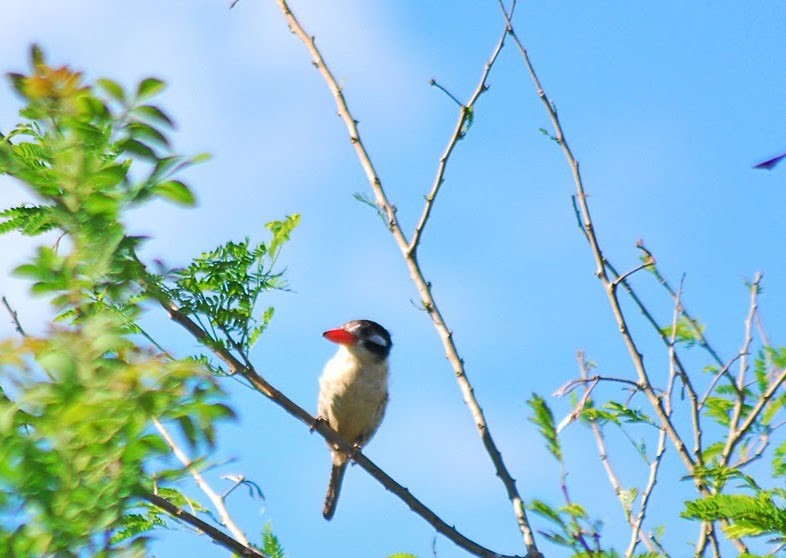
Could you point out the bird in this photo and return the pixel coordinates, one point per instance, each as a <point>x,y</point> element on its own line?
<point>353,392</point>
<point>770,164</point>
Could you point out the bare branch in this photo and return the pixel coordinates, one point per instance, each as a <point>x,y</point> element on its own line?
<point>722,373</point>
<point>609,285</point>
<point>14,318</point>
<point>604,459</point>
<point>676,368</point>
<point>754,413</point>
<point>421,284</point>
<point>744,352</point>
<point>216,534</point>
<point>624,277</point>
<point>703,342</point>
<point>218,501</point>
<point>465,114</point>
<point>636,532</point>
<point>600,263</point>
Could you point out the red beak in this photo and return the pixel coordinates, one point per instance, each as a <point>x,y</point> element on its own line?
<point>340,336</point>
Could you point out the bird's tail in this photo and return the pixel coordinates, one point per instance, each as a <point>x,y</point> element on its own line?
<point>331,499</point>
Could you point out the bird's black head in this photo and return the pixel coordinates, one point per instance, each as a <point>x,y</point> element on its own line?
<point>364,333</point>
<point>371,336</point>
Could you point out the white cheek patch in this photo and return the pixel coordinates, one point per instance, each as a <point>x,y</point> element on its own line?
<point>377,339</point>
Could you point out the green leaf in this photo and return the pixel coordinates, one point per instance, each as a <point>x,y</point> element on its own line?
<point>270,544</point>
<point>201,158</point>
<point>37,57</point>
<point>136,147</point>
<point>149,87</point>
<point>281,230</point>
<point>142,131</point>
<point>749,515</point>
<point>687,332</point>
<point>17,82</point>
<point>544,419</point>
<point>113,89</point>
<point>110,176</point>
<point>175,191</point>
<point>153,114</point>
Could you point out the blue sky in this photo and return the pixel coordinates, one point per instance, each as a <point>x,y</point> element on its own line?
<point>666,105</point>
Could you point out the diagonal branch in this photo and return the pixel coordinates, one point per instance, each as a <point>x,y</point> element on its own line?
<point>611,287</point>
<point>14,318</point>
<point>321,427</point>
<point>218,501</point>
<point>464,119</point>
<point>612,475</point>
<point>739,404</point>
<point>421,284</point>
<point>600,271</point>
<point>216,534</point>
<point>694,323</point>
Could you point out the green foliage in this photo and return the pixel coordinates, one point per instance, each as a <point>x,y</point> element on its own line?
<point>134,525</point>
<point>221,288</point>
<point>615,413</point>
<point>572,528</point>
<point>270,545</point>
<point>78,152</point>
<point>748,515</point>
<point>544,419</point>
<point>76,445</point>
<point>687,332</point>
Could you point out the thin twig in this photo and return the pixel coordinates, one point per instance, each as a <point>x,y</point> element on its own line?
<point>754,413</point>
<point>703,342</point>
<point>624,277</point>
<point>421,284</point>
<point>722,373</point>
<point>434,83</point>
<point>216,534</point>
<point>600,441</point>
<point>601,272</point>
<point>465,113</point>
<point>651,319</point>
<point>572,384</point>
<point>218,501</point>
<point>14,318</point>
<point>636,532</point>
<point>676,369</point>
<point>744,352</point>
<point>579,533</point>
<point>744,461</point>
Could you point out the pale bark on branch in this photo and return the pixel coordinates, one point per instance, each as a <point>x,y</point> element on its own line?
<point>409,252</point>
